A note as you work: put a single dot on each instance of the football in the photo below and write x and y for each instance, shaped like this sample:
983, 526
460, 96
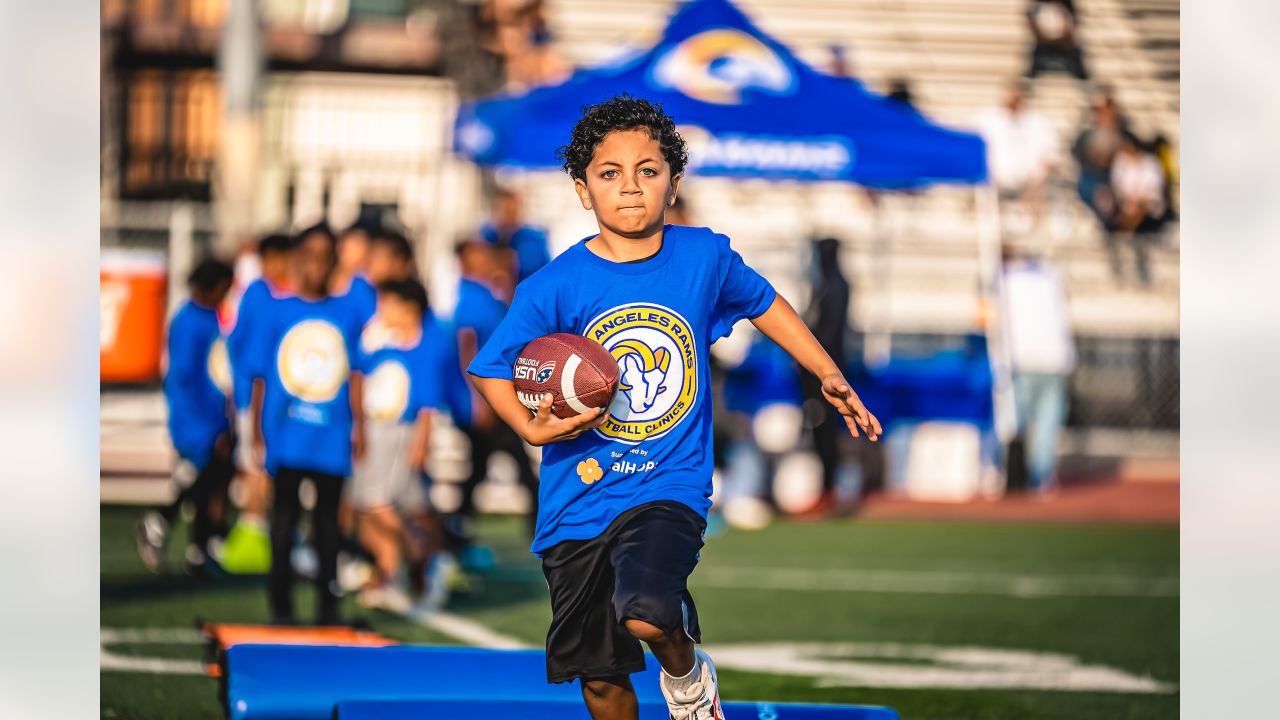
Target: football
579, 373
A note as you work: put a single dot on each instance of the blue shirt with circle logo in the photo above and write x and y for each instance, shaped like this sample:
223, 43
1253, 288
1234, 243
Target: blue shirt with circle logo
401, 380
196, 382
306, 354
657, 318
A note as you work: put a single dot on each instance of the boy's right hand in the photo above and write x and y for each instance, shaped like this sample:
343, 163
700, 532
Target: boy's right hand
544, 428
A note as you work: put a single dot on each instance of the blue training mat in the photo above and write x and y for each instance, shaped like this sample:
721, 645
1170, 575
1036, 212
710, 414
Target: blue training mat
575, 710
301, 682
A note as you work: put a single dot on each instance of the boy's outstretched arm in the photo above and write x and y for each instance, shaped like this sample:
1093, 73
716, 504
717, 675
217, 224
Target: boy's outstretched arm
781, 324
539, 429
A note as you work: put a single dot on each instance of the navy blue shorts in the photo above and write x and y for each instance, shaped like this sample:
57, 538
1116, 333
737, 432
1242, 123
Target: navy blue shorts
638, 568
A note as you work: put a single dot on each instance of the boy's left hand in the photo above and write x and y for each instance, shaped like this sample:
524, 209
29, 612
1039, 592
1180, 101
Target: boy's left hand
837, 392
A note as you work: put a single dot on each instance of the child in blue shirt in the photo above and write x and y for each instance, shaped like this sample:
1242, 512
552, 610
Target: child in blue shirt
196, 385
478, 313
624, 493
309, 416
402, 390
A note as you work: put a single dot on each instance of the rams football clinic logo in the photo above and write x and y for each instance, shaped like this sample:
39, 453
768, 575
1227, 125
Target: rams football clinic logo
386, 391
715, 66
218, 365
312, 361
657, 359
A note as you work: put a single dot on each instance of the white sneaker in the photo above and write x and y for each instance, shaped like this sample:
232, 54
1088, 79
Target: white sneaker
699, 701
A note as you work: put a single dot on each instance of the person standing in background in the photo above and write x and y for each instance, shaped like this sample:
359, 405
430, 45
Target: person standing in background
402, 390
478, 314
248, 549
353, 259
828, 320
197, 382
507, 231
1042, 354
310, 417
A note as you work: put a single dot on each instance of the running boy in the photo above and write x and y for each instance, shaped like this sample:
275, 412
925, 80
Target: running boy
196, 382
401, 391
306, 359
624, 494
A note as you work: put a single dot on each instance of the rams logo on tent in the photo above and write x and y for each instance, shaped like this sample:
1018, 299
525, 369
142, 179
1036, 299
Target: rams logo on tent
715, 66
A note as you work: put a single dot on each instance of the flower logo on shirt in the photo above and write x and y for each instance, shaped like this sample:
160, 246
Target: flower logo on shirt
589, 471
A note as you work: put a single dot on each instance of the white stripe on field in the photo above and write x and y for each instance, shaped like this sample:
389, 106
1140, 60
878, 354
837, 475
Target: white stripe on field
934, 582
110, 661
470, 632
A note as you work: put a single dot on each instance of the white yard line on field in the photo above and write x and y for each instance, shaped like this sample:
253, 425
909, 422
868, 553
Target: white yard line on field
934, 582
470, 631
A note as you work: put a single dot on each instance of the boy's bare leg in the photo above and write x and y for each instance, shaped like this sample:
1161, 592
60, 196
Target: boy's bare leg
381, 533
611, 698
674, 652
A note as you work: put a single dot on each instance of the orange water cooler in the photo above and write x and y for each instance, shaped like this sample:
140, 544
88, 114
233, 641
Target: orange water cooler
132, 301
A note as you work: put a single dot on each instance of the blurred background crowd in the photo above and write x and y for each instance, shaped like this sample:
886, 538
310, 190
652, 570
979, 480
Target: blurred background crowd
225, 122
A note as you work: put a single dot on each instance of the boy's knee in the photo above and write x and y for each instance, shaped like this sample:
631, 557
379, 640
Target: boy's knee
642, 630
602, 688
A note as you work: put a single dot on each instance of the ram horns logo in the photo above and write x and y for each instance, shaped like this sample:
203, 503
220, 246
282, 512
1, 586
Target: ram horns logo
717, 65
643, 372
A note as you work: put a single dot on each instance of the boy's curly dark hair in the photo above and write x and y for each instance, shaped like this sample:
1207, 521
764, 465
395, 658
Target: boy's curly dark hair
622, 112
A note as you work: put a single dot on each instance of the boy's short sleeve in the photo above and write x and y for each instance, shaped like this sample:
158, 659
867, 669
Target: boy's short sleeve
525, 321
428, 388
744, 293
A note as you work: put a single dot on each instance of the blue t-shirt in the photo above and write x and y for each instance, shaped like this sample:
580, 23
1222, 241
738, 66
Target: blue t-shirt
254, 307
457, 392
478, 310
364, 296
658, 319
529, 244
308, 351
196, 382
401, 381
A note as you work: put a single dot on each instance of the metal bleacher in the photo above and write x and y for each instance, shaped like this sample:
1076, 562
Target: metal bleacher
957, 55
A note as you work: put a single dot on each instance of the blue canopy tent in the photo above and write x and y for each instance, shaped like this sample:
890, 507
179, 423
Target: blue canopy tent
748, 108
746, 105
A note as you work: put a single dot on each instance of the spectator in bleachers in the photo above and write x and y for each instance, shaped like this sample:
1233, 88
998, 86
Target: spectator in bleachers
1053, 31
900, 92
840, 66
522, 37
1094, 150
1135, 205
1168, 157
525, 244
1042, 354
1022, 151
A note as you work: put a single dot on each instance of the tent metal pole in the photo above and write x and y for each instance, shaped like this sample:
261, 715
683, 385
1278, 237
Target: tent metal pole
878, 346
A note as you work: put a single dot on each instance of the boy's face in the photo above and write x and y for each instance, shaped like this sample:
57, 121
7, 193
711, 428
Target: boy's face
353, 251
385, 264
628, 183
275, 266
314, 263
397, 313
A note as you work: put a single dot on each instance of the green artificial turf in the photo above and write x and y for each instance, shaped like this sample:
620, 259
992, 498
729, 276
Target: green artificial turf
1132, 627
